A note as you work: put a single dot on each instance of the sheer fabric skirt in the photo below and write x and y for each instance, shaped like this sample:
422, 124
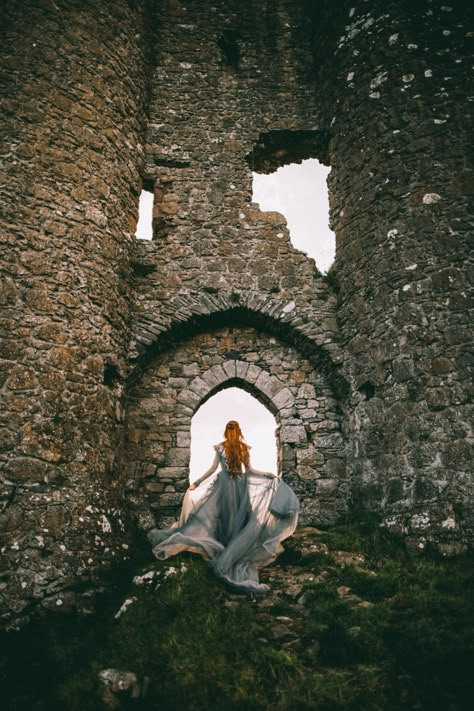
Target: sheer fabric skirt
228, 521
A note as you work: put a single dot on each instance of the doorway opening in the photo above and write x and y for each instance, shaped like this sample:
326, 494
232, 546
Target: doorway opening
256, 421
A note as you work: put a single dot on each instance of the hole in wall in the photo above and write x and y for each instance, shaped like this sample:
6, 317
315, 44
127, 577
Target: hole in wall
299, 192
229, 44
274, 149
111, 374
256, 421
367, 389
290, 170
145, 211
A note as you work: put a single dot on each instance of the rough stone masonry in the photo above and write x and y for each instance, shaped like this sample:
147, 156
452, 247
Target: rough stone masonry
110, 345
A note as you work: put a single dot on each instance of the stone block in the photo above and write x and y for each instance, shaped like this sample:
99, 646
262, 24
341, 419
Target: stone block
21, 378
215, 376
241, 369
188, 398
153, 450
335, 467
403, 369
230, 368
307, 473
306, 391
293, 434
177, 456
307, 413
170, 500
191, 369
308, 456
26, 469
252, 373
283, 399
184, 411
170, 472
441, 365
326, 487
330, 441
199, 386
268, 384
154, 487
183, 439
438, 398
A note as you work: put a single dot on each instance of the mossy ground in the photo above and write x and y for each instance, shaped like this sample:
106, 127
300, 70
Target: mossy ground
352, 622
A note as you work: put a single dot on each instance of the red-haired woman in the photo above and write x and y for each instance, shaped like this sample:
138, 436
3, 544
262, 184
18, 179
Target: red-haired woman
237, 521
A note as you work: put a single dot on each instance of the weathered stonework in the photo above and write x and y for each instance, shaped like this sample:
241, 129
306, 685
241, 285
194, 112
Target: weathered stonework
73, 98
401, 189
110, 345
177, 383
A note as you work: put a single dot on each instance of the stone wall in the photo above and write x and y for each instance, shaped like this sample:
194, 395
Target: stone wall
177, 382
73, 104
229, 76
393, 81
360, 77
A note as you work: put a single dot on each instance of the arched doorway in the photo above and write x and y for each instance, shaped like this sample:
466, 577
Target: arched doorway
179, 382
257, 423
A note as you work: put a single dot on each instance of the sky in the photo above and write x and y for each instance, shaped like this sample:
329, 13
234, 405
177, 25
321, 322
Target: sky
299, 192
256, 422
145, 210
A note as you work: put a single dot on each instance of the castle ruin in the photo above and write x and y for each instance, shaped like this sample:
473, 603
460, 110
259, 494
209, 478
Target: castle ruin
111, 344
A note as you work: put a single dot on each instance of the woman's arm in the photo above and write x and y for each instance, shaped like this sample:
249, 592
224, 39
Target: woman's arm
267, 475
207, 473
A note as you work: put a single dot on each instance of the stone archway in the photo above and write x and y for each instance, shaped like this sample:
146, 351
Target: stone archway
178, 382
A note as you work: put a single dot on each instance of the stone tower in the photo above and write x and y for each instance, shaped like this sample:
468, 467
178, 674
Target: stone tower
110, 344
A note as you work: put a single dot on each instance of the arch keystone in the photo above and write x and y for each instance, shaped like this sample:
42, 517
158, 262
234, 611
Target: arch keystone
241, 369
230, 367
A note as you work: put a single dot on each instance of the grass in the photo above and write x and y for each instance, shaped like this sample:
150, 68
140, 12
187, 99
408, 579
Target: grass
399, 638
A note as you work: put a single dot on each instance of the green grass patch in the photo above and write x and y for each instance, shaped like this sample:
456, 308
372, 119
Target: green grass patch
408, 645
366, 536
418, 625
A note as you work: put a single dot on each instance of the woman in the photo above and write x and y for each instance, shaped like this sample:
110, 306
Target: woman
236, 521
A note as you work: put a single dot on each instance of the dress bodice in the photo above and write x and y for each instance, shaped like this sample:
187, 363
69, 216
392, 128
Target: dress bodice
220, 449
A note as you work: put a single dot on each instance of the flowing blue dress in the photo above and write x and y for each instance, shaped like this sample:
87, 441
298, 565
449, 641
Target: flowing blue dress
228, 520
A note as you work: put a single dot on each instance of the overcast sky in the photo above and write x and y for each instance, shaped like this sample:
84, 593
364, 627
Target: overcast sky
256, 422
299, 192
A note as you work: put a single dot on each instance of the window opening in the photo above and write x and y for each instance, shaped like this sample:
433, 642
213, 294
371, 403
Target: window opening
229, 44
145, 211
111, 374
256, 421
299, 192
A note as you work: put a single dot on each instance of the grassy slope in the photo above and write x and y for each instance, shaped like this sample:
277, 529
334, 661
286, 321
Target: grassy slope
352, 623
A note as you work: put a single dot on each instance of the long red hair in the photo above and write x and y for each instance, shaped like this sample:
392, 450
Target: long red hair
236, 451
